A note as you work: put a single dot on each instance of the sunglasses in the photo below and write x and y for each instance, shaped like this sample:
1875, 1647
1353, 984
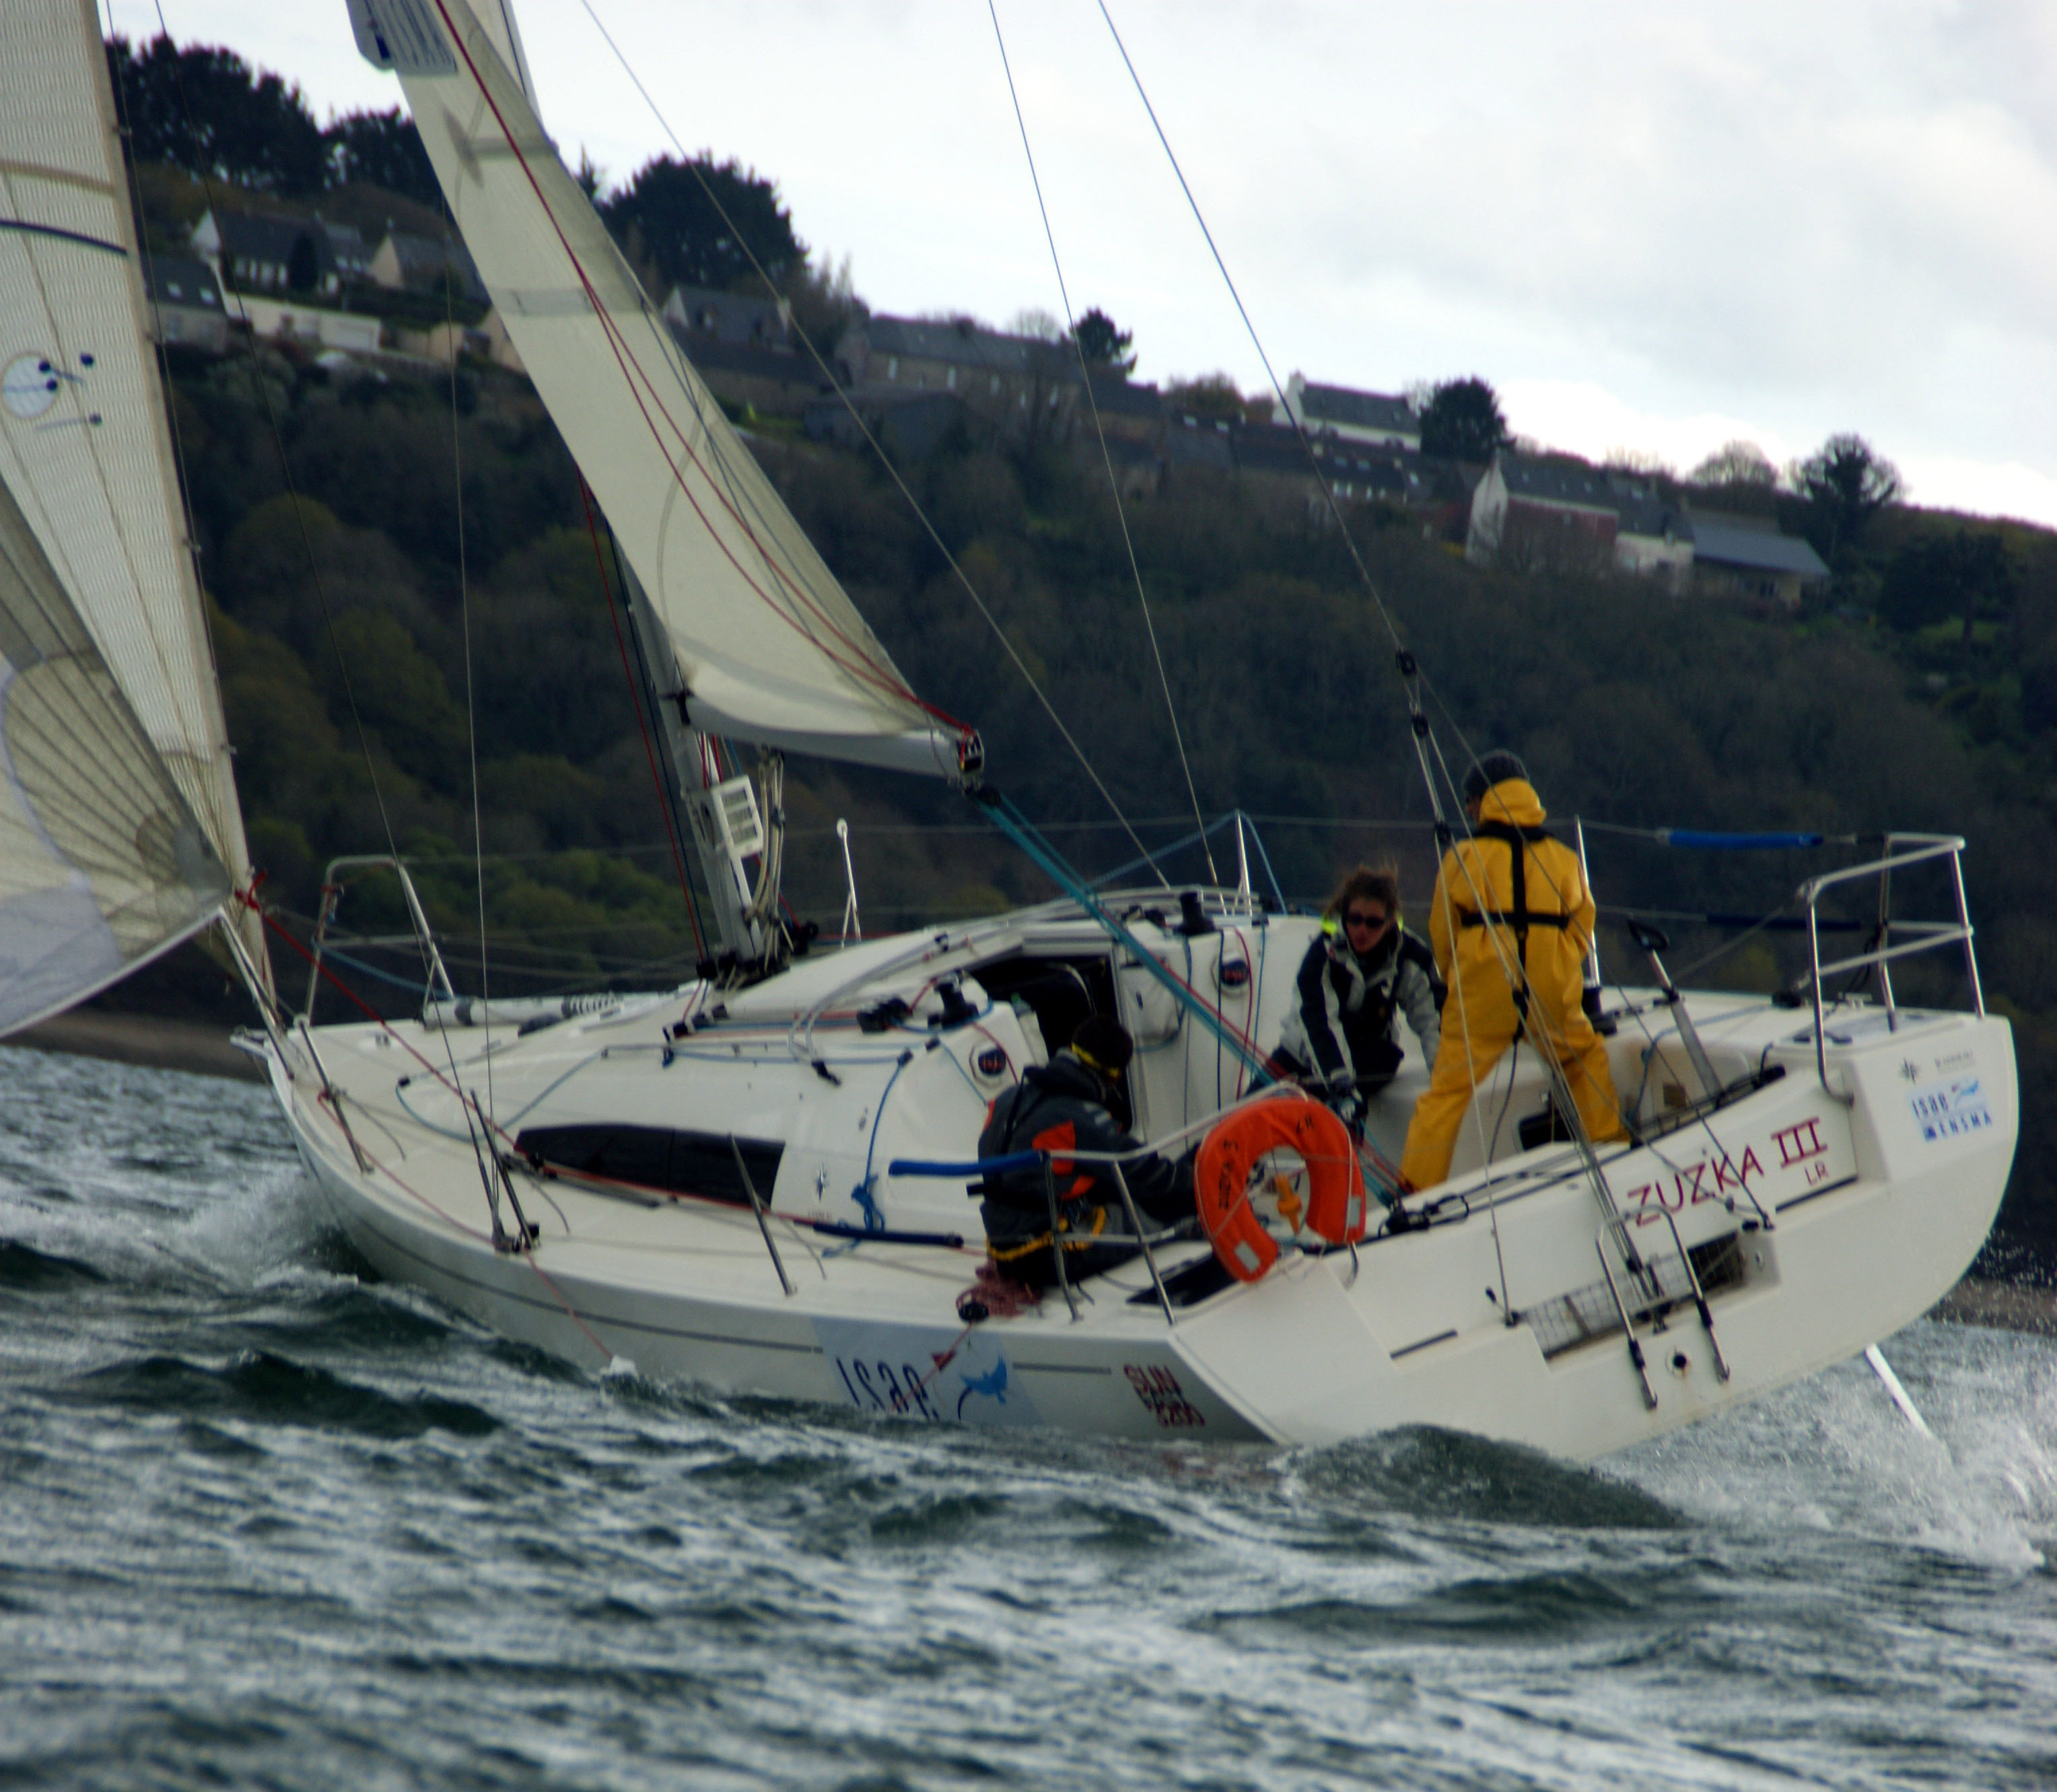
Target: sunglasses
1358, 918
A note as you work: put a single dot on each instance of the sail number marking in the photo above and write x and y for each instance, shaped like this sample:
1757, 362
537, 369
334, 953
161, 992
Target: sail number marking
1158, 1390
878, 1387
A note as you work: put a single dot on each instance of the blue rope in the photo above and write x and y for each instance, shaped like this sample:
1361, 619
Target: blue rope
1699, 840
363, 970
977, 1167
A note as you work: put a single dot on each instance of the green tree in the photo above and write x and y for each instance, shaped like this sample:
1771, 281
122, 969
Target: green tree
699, 223
205, 110
1736, 463
1102, 345
1462, 420
1208, 395
383, 149
1938, 577
1845, 484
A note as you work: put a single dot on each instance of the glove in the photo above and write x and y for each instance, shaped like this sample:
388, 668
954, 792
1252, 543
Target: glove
1351, 1110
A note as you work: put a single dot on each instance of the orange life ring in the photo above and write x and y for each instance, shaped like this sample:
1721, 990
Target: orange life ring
1335, 1209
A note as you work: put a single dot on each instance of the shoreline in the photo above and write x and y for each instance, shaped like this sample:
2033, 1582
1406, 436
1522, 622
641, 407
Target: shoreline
203, 1049
195, 1046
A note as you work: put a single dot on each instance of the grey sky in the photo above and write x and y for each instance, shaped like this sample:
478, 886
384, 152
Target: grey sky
1651, 226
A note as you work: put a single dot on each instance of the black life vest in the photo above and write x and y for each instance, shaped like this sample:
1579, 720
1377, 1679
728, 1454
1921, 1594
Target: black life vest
1518, 914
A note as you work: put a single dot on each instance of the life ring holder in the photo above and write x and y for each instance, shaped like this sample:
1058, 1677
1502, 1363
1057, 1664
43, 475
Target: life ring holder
1221, 1180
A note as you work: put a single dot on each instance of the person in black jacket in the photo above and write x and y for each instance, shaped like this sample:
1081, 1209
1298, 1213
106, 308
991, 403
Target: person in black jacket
1068, 1105
1362, 970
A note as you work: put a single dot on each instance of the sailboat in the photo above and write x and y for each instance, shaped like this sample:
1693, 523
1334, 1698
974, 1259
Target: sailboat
761, 1181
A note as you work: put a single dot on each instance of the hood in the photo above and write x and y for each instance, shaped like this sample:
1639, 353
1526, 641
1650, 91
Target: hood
1514, 800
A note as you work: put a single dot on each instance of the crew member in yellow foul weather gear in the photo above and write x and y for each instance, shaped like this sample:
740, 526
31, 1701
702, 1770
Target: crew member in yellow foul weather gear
1511, 923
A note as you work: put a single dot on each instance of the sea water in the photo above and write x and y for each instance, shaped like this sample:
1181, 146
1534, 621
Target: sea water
265, 1521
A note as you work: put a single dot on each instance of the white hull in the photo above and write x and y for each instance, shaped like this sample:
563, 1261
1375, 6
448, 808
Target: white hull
1871, 1208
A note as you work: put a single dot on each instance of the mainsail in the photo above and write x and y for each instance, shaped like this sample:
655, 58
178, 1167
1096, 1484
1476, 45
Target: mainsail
769, 647
120, 833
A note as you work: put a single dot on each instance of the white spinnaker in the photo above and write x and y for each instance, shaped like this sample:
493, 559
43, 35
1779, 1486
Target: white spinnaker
769, 647
85, 445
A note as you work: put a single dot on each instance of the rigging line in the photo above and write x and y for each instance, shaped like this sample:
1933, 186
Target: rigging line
1100, 431
866, 671
1256, 342
636, 702
299, 513
885, 460
1411, 672
470, 690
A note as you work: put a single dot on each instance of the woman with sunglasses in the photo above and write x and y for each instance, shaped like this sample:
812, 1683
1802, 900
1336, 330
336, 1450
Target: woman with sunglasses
1363, 969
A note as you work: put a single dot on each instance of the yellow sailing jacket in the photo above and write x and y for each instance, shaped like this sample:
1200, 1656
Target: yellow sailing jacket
1510, 897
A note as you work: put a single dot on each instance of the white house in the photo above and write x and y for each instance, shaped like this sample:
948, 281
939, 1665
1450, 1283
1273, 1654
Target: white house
1371, 419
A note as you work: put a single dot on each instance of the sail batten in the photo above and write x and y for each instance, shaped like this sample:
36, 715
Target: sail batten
747, 603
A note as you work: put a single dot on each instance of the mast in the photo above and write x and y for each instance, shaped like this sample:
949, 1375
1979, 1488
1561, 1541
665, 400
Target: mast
722, 819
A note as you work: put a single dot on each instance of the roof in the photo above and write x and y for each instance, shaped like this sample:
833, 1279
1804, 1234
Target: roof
1558, 481
1752, 542
259, 237
1398, 477
1644, 510
1346, 409
180, 280
1267, 448
972, 345
346, 244
1198, 441
424, 258
1114, 396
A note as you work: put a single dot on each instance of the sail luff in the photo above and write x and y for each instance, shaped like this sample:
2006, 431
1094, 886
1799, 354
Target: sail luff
761, 632
85, 444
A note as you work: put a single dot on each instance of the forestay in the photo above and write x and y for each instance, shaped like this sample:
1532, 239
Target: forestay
769, 647
119, 829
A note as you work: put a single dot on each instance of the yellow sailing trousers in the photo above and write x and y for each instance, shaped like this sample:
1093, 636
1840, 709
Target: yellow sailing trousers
1463, 1065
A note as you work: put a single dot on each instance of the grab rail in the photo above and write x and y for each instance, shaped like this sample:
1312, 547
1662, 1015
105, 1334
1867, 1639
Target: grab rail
331, 895
1931, 934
